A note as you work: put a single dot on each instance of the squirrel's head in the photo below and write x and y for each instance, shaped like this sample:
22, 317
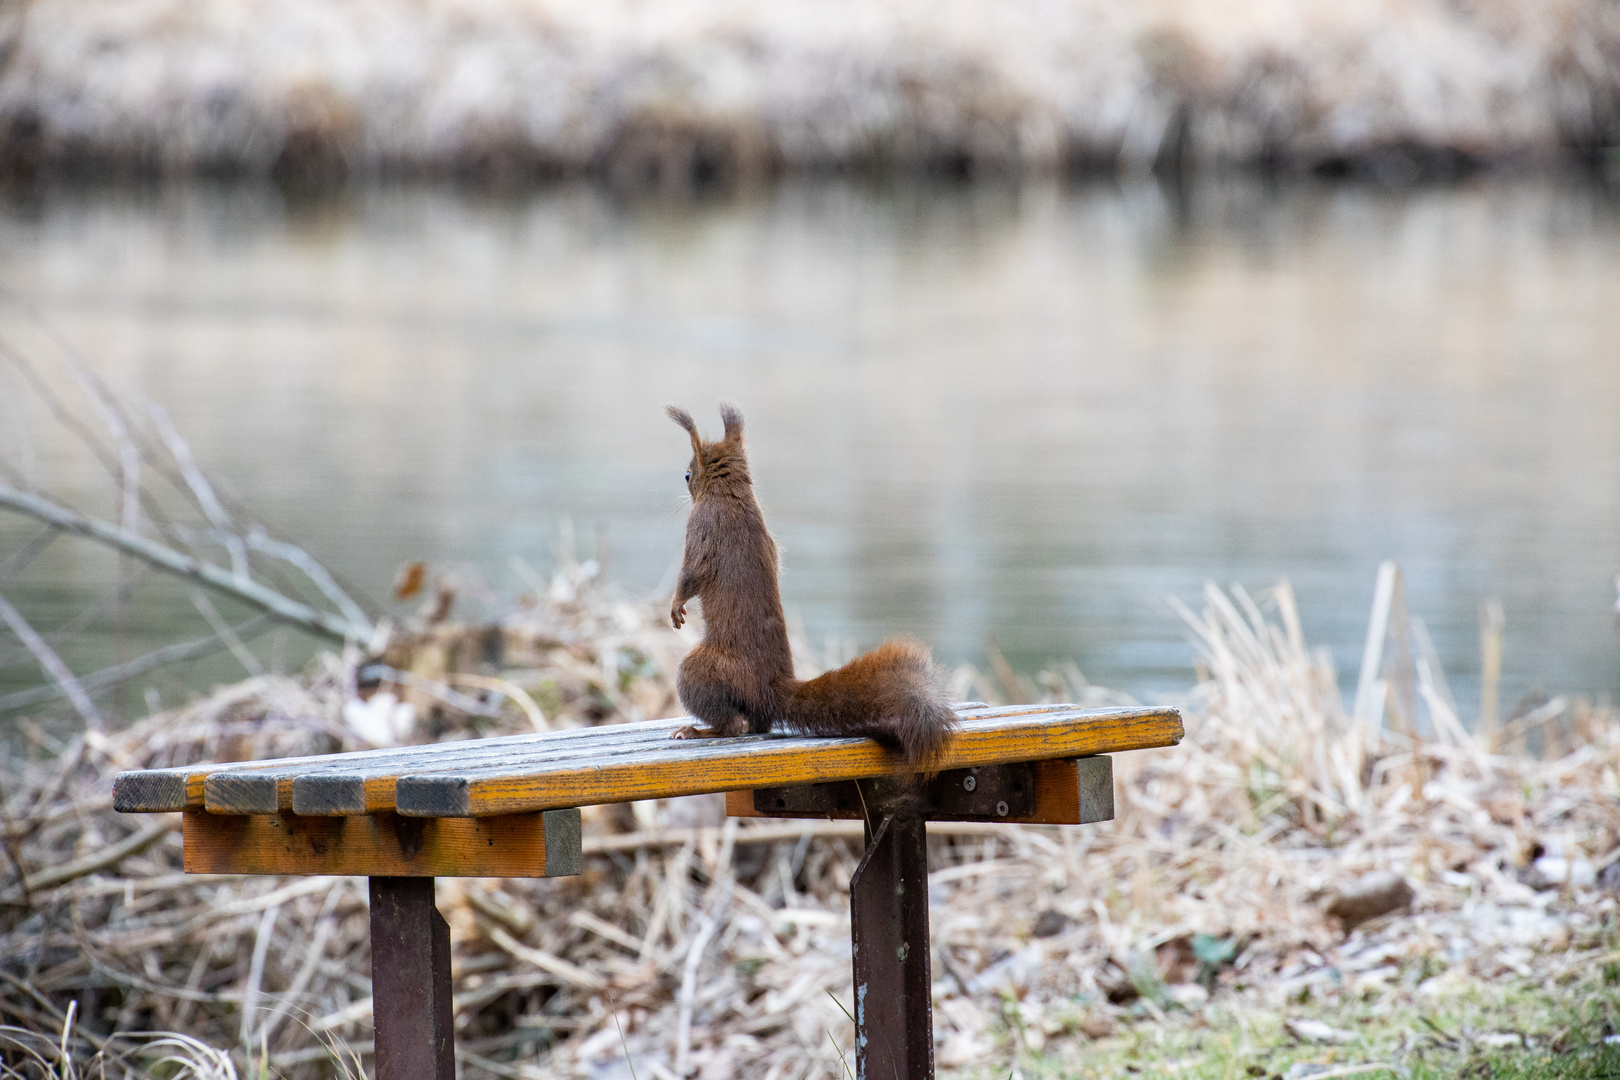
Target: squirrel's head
716, 467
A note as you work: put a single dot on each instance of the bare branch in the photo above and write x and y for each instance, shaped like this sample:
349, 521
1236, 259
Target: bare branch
99, 859
132, 669
205, 607
201, 489
24, 555
187, 566
65, 631
50, 662
149, 444
112, 418
112, 598
469, 705
315, 572
59, 409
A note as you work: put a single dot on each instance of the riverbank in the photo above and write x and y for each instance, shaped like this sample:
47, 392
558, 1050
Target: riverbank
712, 91
1214, 922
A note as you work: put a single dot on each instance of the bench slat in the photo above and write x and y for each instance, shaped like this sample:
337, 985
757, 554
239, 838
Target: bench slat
147, 791
140, 791
719, 765
265, 791
374, 788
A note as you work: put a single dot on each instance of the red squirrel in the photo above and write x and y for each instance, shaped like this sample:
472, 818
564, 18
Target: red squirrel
739, 679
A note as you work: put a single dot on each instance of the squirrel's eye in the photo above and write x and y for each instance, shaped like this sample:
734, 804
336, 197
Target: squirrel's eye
688, 476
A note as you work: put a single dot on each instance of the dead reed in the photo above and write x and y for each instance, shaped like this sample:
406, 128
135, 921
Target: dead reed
677, 94
703, 947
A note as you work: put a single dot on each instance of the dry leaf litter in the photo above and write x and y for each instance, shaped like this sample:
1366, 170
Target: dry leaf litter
696, 946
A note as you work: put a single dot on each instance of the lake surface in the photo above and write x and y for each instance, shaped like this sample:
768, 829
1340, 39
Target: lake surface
1026, 412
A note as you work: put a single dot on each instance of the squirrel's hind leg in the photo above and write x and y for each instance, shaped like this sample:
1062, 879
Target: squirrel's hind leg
708, 696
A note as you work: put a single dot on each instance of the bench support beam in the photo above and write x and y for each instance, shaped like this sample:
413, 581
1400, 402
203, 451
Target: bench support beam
888, 900
410, 982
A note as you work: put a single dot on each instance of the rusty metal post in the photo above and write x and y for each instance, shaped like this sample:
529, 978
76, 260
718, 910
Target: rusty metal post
410, 982
888, 901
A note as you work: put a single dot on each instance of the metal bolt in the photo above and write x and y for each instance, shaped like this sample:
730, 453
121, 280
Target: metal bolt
1001, 808
970, 783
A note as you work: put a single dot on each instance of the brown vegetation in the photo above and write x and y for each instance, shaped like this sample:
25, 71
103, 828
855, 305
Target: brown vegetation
722, 947
671, 96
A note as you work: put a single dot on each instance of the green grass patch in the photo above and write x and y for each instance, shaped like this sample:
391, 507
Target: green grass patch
1516, 1029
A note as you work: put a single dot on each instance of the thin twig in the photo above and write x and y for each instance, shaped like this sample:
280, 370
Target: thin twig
93, 610
569, 973
255, 977
694, 957
259, 540
206, 609
468, 705
201, 490
131, 669
53, 665
103, 859
504, 687
104, 403
325, 925
17, 560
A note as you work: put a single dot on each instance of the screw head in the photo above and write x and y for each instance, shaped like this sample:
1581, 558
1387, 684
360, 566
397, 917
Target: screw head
970, 783
1001, 808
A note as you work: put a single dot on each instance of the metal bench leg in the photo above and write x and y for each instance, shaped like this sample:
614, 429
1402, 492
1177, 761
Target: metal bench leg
894, 1008
410, 982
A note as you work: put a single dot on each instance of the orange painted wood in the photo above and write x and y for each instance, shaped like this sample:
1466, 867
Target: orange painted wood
1057, 800
616, 763
703, 766
269, 785
366, 786
383, 845
147, 791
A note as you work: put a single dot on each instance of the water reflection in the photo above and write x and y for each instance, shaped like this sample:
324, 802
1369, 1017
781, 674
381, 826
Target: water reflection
1026, 412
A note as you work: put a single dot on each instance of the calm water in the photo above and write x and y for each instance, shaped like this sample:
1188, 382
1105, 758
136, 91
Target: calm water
1031, 413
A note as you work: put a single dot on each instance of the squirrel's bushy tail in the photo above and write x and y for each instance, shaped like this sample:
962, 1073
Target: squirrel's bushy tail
893, 694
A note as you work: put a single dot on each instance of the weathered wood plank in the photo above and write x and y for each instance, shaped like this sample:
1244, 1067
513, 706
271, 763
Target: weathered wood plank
363, 791
525, 759
544, 844
717, 765
367, 787
185, 787
149, 791
391, 760
136, 781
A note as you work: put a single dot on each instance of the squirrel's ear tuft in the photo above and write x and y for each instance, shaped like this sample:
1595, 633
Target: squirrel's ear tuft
684, 418
731, 416
681, 417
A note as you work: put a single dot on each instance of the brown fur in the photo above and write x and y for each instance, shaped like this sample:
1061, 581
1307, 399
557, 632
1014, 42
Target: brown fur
740, 677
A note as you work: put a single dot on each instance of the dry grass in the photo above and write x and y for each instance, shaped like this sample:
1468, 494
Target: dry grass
31, 1055
682, 92
716, 951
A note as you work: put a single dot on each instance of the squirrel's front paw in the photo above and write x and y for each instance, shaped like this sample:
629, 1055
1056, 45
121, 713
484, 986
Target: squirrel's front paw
677, 615
687, 732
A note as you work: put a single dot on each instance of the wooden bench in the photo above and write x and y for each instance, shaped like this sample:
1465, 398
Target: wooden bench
509, 807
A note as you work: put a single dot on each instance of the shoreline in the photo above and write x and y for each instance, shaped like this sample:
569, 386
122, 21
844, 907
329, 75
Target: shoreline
714, 94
